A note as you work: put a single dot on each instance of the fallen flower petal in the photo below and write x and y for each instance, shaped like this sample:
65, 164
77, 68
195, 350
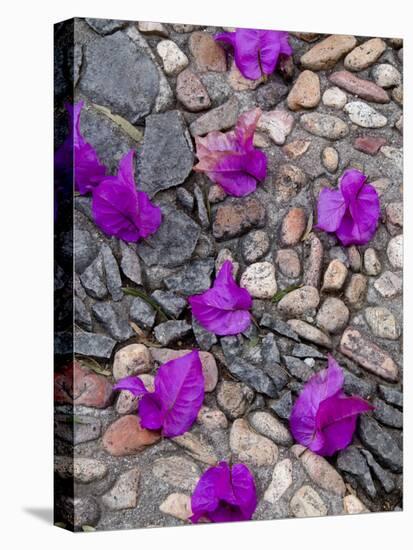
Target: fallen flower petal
323, 417
179, 393
224, 493
230, 159
352, 211
119, 209
256, 52
223, 309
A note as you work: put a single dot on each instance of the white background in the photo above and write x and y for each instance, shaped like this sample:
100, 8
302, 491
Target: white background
26, 271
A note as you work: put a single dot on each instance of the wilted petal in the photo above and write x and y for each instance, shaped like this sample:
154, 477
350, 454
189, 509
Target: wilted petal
245, 127
351, 183
179, 387
223, 309
331, 208
228, 37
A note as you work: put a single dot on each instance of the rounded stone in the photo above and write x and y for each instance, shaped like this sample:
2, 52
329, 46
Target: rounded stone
326, 126
288, 262
365, 55
268, 425
131, 360
325, 54
259, 280
395, 252
173, 58
234, 398
191, 92
251, 447
322, 473
372, 264
177, 505
334, 276
333, 315
305, 93
386, 76
382, 323
125, 437
298, 302
364, 115
208, 54
293, 226
329, 157
307, 503
356, 289
289, 181
334, 97
255, 245
212, 419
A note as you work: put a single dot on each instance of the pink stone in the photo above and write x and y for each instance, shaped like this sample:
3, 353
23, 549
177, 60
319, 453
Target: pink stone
78, 385
369, 144
358, 86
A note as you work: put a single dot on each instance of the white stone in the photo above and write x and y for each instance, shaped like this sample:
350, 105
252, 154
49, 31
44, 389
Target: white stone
150, 27
307, 503
395, 252
382, 323
372, 263
268, 425
282, 478
277, 124
174, 60
386, 76
352, 505
124, 494
388, 284
334, 97
365, 116
223, 255
177, 505
259, 280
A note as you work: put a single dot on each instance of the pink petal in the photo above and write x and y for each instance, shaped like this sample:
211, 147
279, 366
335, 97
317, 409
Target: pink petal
246, 126
150, 412
350, 184
132, 384
247, 45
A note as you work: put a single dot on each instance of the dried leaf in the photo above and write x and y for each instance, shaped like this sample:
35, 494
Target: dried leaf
309, 227
281, 293
127, 127
88, 528
140, 294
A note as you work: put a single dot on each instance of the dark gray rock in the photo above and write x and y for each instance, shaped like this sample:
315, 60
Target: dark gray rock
353, 462
202, 209
269, 95
110, 142
297, 368
142, 313
105, 26
84, 249
278, 326
77, 285
78, 430
384, 477
204, 338
107, 61
185, 198
167, 156
63, 343
112, 273
60, 277
83, 204
391, 395
386, 414
302, 350
193, 279
170, 302
282, 406
83, 317
113, 318
269, 349
174, 242
93, 279
130, 263
380, 443
94, 345
353, 385
254, 246
170, 331
77, 512
205, 247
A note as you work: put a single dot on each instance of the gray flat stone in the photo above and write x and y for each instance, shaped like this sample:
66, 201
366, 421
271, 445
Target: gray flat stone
380, 443
95, 345
193, 279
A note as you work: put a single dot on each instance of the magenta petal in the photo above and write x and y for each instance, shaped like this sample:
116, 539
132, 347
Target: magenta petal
179, 387
323, 417
223, 309
224, 494
247, 46
132, 384
351, 183
245, 128
228, 37
150, 412
331, 208
122, 211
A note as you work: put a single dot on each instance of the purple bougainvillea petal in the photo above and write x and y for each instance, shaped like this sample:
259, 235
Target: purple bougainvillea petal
331, 208
132, 384
323, 417
256, 52
179, 386
352, 212
122, 211
150, 412
88, 170
350, 184
223, 309
224, 494
230, 159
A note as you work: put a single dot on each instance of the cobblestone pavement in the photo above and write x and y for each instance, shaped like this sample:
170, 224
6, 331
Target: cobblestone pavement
339, 106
